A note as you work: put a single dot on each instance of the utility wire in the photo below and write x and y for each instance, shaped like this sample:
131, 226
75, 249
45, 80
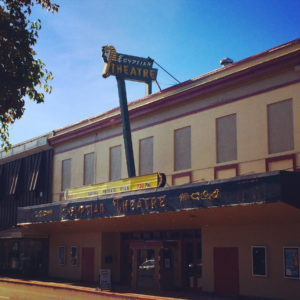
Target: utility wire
158, 85
166, 71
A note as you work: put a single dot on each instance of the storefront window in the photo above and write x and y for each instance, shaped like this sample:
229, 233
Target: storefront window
167, 259
259, 261
61, 255
74, 256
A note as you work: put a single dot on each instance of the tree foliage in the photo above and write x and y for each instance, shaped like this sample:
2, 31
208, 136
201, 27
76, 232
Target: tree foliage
22, 74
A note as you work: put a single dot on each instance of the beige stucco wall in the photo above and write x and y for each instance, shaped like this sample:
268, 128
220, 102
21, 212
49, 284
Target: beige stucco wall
274, 237
69, 239
111, 247
252, 141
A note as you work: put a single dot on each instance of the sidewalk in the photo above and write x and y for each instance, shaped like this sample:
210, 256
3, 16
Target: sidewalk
121, 293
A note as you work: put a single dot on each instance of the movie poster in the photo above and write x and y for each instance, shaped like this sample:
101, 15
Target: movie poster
291, 262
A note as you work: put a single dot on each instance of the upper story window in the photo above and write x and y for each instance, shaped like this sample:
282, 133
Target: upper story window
89, 168
115, 163
182, 148
280, 126
226, 138
66, 174
146, 156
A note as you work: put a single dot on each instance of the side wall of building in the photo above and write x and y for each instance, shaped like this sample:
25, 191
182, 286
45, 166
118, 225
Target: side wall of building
274, 237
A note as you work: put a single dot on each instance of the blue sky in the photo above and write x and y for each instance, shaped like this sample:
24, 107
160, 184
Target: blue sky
187, 37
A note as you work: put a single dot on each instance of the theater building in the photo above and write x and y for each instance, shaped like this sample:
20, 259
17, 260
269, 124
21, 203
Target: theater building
227, 220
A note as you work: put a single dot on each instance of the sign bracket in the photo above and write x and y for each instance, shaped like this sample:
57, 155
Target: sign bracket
126, 127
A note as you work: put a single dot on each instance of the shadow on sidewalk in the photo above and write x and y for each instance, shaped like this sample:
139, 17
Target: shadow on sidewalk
123, 290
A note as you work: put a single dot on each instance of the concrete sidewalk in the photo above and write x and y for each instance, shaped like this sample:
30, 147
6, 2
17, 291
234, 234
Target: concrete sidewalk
121, 293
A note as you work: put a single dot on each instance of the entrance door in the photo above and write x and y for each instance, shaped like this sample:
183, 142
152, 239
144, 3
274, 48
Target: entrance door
152, 264
192, 263
87, 264
145, 278
226, 271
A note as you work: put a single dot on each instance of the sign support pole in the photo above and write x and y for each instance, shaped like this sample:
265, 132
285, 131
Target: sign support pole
126, 127
149, 88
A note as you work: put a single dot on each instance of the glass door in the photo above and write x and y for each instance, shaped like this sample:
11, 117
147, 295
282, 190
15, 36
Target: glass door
145, 278
192, 263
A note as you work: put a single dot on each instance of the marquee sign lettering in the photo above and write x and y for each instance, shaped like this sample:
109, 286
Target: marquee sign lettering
118, 186
127, 66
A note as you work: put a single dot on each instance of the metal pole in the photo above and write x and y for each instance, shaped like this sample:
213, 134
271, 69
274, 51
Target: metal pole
148, 88
126, 127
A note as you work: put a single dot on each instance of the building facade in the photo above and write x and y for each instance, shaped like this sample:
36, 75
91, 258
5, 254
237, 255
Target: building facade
228, 220
26, 179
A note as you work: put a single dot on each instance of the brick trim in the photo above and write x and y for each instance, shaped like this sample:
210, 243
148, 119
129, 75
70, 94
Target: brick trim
281, 158
226, 167
183, 174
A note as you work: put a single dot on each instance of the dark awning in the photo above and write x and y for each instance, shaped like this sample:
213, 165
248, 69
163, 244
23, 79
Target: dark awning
279, 186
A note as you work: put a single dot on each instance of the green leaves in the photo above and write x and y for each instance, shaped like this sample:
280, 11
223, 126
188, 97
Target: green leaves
20, 72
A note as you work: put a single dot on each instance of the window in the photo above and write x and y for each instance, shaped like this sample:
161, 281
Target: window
115, 163
146, 156
226, 138
74, 255
61, 255
259, 261
280, 126
66, 174
291, 262
89, 168
182, 148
